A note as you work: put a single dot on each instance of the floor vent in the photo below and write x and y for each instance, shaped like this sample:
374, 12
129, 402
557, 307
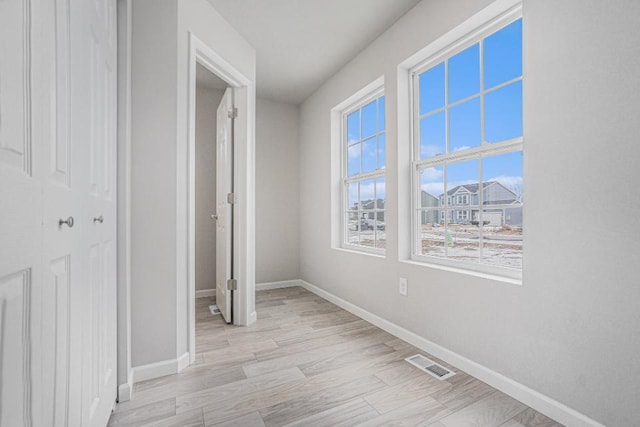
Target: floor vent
430, 367
214, 309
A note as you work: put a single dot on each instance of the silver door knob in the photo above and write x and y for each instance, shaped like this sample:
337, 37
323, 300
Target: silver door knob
99, 219
214, 216
69, 221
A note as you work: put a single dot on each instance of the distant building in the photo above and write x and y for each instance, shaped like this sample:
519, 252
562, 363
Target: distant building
464, 200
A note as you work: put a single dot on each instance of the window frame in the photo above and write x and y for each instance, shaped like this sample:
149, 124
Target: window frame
485, 149
345, 179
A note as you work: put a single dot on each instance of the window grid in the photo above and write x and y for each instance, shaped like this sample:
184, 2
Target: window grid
363, 216
485, 149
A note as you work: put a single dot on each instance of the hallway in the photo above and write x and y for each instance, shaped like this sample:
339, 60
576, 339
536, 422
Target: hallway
308, 362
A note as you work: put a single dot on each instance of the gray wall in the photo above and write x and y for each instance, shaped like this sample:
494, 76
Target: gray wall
277, 199
159, 306
571, 331
207, 101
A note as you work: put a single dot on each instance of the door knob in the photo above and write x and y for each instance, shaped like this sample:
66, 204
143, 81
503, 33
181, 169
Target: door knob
99, 219
69, 221
214, 216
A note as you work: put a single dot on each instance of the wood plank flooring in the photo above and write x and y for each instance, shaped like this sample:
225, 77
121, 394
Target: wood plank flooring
307, 362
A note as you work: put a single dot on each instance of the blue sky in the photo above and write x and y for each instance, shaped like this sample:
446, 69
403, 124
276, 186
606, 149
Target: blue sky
502, 55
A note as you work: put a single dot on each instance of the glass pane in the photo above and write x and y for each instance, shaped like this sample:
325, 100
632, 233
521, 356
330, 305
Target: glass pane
432, 233
352, 236
464, 74
353, 162
353, 127
432, 136
367, 225
369, 155
367, 194
462, 179
382, 151
381, 233
503, 55
462, 238
502, 177
432, 186
352, 196
381, 114
369, 118
432, 89
464, 126
503, 113
380, 193
502, 237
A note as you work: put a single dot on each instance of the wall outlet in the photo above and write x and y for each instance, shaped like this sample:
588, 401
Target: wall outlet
402, 286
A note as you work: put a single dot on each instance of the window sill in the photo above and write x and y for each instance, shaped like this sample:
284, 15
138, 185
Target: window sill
373, 253
490, 276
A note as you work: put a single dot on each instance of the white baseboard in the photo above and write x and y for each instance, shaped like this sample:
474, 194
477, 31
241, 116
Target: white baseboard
205, 293
277, 285
524, 394
159, 369
125, 391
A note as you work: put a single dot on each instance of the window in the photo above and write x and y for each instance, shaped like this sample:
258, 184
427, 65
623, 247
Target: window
468, 136
363, 174
463, 215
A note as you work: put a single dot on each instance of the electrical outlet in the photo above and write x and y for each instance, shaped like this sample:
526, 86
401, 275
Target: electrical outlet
403, 286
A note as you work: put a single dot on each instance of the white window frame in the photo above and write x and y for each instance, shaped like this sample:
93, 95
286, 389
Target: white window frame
485, 23
340, 179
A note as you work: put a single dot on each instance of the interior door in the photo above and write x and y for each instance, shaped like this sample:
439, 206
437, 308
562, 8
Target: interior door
20, 221
224, 186
93, 118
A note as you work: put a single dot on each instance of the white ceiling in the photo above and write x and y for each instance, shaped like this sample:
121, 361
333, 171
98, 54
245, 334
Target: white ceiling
301, 43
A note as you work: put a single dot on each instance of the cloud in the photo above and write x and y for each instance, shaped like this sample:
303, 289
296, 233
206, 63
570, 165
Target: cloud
432, 174
430, 151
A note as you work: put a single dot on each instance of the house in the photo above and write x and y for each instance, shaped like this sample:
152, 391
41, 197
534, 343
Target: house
176, 178
461, 198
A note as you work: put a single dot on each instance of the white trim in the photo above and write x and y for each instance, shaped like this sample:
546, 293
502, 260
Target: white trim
244, 178
205, 293
159, 369
277, 285
524, 394
123, 183
125, 391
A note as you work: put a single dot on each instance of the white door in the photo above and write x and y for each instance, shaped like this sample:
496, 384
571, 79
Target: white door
93, 118
57, 163
21, 272
224, 186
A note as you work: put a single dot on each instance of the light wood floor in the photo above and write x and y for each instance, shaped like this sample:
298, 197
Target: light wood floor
307, 362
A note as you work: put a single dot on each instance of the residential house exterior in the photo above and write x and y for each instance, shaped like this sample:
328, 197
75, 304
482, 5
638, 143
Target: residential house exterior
463, 203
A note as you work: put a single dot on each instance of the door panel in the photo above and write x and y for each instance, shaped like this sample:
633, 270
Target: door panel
15, 132
224, 209
15, 339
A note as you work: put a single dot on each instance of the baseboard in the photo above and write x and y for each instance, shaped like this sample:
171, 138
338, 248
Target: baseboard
159, 369
524, 394
125, 391
205, 293
277, 285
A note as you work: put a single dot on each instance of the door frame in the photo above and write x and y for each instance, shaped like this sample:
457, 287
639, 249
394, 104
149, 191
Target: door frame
244, 185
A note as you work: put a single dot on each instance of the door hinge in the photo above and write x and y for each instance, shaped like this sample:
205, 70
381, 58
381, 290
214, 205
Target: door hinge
232, 284
231, 198
233, 113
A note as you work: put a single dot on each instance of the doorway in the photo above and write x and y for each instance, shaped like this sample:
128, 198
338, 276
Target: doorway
210, 193
235, 202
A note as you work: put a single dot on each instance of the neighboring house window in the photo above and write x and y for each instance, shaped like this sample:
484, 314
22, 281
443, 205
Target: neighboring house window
363, 174
468, 136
